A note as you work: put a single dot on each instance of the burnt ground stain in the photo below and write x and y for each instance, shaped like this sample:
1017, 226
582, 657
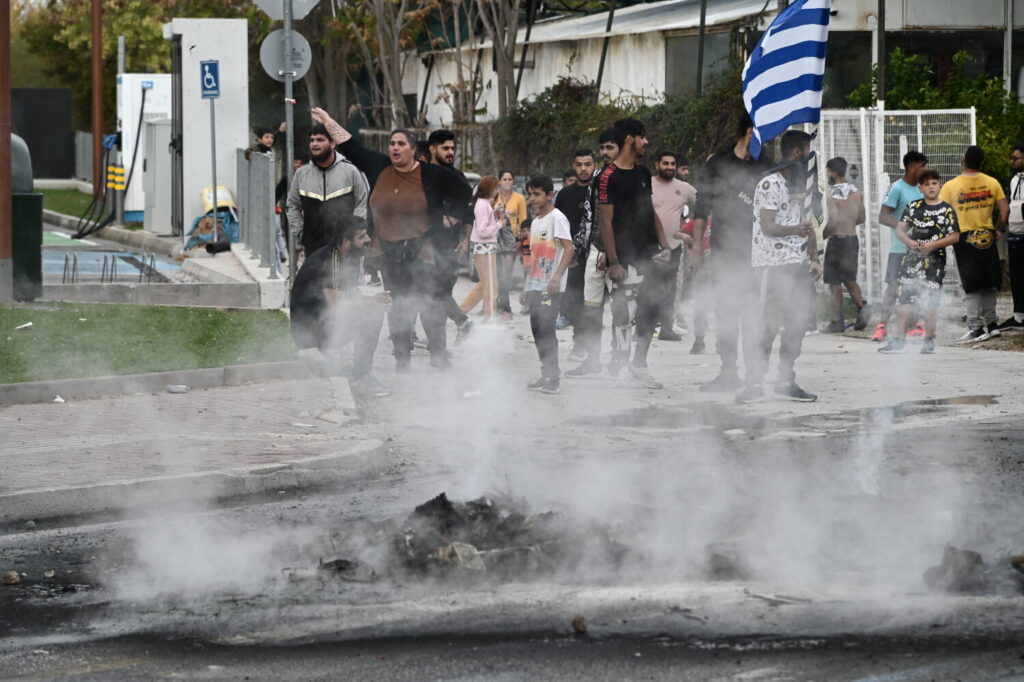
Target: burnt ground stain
720, 418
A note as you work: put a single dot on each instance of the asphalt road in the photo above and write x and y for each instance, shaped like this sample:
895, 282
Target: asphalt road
830, 514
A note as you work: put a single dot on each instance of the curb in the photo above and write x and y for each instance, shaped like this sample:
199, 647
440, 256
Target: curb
153, 382
139, 239
361, 460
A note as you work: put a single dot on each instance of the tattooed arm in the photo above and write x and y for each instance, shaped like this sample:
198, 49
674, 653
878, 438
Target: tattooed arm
337, 133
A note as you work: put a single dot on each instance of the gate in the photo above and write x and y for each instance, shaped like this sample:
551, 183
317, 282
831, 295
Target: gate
873, 143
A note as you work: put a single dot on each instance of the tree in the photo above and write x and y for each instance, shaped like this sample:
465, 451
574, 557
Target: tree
456, 23
59, 32
501, 22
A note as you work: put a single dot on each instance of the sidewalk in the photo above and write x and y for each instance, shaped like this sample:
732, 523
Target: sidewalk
89, 456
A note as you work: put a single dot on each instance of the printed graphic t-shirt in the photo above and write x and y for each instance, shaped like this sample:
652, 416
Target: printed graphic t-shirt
974, 198
927, 224
900, 194
546, 250
772, 194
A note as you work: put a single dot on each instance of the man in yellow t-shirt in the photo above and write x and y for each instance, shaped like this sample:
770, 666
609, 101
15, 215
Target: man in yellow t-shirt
975, 197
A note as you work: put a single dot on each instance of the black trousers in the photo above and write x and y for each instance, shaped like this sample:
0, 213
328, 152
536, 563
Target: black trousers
785, 298
447, 263
1015, 251
572, 299
415, 289
664, 283
330, 329
543, 314
735, 300
634, 303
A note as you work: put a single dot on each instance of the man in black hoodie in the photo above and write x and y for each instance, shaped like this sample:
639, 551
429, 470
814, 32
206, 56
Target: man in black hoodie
725, 193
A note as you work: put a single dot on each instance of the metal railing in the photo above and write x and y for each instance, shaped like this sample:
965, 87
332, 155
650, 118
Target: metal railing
70, 268
257, 220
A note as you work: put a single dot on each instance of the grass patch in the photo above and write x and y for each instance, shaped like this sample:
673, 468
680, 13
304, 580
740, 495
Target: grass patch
67, 201
74, 340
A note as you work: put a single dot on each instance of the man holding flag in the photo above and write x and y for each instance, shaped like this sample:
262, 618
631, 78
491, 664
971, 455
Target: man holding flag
782, 86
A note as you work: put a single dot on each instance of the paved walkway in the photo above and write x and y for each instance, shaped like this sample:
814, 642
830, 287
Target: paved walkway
129, 438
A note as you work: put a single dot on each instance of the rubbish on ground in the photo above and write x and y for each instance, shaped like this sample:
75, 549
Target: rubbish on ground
30, 525
302, 425
178, 388
476, 538
579, 625
778, 599
1017, 562
10, 578
22, 327
83, 319
58, 399
49, 574
961, 571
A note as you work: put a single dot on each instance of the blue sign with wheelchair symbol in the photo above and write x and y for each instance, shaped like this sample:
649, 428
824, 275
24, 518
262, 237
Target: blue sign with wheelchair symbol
210, 79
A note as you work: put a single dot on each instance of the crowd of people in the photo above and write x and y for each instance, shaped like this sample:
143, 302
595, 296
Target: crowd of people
746, 244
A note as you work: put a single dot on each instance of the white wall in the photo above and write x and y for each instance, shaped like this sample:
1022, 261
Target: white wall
226, 40
635, 66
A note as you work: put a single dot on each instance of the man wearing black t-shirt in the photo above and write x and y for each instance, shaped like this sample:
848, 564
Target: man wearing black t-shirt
632, 236
574, 201
725, 193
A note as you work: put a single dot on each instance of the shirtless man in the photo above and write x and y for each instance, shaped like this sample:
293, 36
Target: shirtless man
845, 213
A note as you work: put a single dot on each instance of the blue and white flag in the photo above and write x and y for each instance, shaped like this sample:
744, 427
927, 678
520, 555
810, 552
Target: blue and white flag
784, 76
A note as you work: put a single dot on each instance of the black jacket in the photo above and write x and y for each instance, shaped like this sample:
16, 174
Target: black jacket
443, 187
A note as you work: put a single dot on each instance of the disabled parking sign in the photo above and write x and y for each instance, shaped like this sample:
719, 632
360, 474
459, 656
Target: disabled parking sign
210, 79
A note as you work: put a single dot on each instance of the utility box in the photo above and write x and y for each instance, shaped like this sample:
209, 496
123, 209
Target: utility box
194, 41
27, 223
141, 97
156, 175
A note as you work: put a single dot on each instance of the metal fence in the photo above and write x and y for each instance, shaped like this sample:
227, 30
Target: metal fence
83, 155
873, 143
257, 220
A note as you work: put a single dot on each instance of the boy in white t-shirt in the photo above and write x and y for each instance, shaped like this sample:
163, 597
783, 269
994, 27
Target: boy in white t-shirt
551, 254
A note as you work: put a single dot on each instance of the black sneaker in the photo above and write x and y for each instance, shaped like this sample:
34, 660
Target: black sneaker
862, 318
928, 346
835, 327
790, 391
669, 335
463, 331
894, 346
973, 336
537, 384
698, 346
585, 369
550, 387
994, 331
749, 395
1011, 325
723, 382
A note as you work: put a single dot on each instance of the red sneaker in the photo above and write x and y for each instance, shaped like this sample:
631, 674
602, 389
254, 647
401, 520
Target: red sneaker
879, 334
917, 332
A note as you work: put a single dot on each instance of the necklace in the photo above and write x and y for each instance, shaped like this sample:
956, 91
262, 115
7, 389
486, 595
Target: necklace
403, 176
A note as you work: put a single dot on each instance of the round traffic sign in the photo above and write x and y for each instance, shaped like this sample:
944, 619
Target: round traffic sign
273, 60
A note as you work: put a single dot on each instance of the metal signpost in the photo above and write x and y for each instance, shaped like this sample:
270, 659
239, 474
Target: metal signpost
210, 88
290, 70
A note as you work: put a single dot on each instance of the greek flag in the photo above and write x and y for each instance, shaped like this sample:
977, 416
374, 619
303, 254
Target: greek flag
783, 78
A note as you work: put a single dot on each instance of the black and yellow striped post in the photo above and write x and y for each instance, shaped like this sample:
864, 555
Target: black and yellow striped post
116, 182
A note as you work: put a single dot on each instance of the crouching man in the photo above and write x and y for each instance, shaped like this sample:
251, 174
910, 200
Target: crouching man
328, 311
